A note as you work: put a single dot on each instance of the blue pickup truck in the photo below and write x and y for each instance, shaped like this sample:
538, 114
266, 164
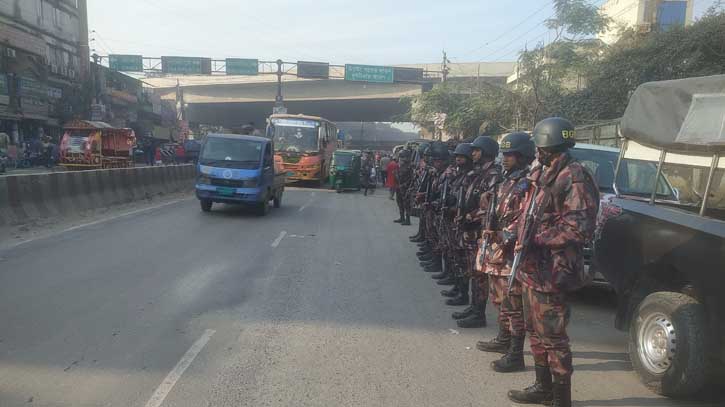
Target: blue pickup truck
237, 169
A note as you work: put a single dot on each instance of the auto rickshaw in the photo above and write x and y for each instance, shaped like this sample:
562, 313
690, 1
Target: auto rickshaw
345, 170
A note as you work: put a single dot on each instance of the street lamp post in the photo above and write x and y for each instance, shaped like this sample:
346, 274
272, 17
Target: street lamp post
279, 99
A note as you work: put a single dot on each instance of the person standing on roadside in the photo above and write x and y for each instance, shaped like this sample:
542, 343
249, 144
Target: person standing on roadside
567, 202
366, 172
384, 161
391, 178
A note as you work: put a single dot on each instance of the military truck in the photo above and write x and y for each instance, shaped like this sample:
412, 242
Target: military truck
665, 257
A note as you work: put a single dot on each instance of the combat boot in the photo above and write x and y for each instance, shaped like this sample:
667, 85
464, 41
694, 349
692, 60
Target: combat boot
447, 281
453, 292
400, 220
475, 320
499, 344
460, 299
406, 222
562, 392
541, 392
435, 266
426, 257
418, 239
513, 361
463, 314
440, 276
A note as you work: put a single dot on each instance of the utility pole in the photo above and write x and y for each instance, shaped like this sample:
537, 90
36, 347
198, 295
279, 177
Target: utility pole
444, 68
279, 99
84, 48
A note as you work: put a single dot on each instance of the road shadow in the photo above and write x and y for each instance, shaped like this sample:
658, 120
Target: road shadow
647, 402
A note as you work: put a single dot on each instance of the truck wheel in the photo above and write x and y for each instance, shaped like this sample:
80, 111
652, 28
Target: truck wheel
206, 205
278, 200
667, 344
263, 208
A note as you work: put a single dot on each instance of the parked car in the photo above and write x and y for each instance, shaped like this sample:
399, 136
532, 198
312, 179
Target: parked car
664, 256
601, 161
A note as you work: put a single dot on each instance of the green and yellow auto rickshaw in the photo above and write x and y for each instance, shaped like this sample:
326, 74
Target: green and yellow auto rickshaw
345, 170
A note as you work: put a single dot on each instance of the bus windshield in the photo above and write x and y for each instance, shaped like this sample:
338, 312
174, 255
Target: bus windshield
295, 135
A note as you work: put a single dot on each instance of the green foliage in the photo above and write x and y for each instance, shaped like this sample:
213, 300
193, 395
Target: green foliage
578, 18
581, 79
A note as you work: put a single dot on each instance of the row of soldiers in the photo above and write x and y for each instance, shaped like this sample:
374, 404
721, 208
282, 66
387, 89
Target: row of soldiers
482, 221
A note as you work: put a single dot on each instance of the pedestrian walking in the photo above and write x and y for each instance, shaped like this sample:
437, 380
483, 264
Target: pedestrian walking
566, 200
384, 168
367, 168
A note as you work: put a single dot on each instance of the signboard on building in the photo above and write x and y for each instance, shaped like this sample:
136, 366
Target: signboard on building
55, 93
12, 37
407, 74
317, 70
238, 66
98, 112
33, 96
369, 73
186, 65
4, 90
126, 63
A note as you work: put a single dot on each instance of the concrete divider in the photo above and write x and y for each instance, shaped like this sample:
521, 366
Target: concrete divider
24, 198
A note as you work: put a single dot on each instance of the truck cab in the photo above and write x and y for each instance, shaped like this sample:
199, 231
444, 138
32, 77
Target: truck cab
239, 169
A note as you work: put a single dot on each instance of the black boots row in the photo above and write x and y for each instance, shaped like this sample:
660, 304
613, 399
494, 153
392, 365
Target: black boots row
403, 220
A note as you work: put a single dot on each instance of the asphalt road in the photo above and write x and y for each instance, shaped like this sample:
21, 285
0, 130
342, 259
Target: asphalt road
321, 303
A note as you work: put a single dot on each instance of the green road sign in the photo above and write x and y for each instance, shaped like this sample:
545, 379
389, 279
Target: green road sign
237, 66
186, 65
126, 63
369, 73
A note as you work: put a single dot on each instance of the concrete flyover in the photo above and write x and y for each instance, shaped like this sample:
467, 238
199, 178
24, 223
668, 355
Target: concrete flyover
230, 104
235, 100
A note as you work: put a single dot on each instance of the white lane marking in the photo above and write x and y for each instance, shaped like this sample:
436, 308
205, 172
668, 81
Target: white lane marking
309, 201
175, 374
279, 238
96, 222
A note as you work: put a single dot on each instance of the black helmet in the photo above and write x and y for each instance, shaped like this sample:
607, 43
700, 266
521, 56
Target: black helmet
518, 142
404, 154
487, 145
439, 150
553, 132
463, 149
424, 149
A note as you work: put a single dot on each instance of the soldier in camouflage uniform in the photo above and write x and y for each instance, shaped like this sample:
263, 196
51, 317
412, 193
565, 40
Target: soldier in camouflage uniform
553, 264
444, 205
419, 170
454, 275
430, 254
366, 170
500, 234
482, 178
404, 179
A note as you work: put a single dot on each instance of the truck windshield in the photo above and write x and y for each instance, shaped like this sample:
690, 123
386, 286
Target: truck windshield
295, 139
226, 152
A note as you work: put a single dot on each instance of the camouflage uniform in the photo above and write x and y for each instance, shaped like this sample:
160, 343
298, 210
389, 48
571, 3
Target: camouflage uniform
553, 264
405, 180
500, 252
487, 175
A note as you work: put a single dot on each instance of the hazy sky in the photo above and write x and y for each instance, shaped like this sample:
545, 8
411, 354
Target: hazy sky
361, 31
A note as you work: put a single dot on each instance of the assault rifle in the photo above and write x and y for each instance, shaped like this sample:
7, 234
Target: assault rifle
490, 218
527, 234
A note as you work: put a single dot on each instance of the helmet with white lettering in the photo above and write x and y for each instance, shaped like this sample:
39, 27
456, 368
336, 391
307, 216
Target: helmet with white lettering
554, 132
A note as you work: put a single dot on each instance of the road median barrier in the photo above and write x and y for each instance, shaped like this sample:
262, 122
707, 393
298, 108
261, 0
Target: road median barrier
24, 198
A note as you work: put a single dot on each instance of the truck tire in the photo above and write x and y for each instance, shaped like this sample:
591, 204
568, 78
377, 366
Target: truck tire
278, 200
667, 343
206, 205
263, 208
